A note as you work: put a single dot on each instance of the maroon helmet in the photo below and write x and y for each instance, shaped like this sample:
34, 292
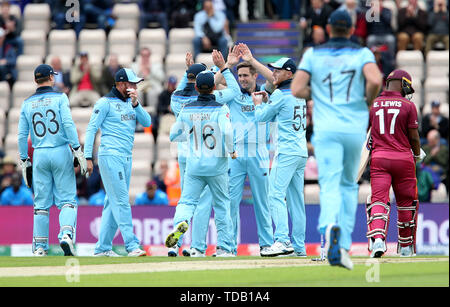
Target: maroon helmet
405, 78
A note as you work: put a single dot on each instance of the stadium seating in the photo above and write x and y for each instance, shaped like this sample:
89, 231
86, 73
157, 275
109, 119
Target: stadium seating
180, 40
154, 39
35, 42
66, 61
13, 120
22, 90
62, 42
437, 63
127, 16
205, 58
4, 97
25, 65
92, 41
122, 42
411, 61
37, 16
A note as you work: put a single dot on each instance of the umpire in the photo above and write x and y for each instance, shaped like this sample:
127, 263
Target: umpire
116, 114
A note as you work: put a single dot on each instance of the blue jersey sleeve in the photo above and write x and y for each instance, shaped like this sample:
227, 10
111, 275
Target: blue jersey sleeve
367, 56
306, 63
232, 91
67, 122
98, 115
226, 128
268, 111
142, 116
24, 130
177, 133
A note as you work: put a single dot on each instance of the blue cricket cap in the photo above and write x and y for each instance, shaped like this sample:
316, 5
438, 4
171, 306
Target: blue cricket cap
284, 63
127, 75
195, 69
205, 80
340, 18
43, 70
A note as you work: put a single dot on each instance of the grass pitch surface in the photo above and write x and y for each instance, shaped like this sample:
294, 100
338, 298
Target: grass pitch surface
221, 272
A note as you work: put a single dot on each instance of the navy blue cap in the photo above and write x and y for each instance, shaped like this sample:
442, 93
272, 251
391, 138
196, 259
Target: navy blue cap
340, 18
194, 70
127, 75
284, 63
43, 70
205, 80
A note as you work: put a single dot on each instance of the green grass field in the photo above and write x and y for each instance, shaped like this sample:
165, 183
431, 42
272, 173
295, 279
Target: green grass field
212, 272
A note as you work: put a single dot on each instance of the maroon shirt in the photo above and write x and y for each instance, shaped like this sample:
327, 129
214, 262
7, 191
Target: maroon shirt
391, 116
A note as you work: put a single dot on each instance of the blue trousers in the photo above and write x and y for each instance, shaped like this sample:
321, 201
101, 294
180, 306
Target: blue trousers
53, 183
193, 187
116, 172
257, 169
338, 156
286, 181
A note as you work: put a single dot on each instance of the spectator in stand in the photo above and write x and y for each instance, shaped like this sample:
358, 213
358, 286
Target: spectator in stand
163, 107
162, 174
2, 155
379, 32
59, 11
11, 25
85, 79
62, 79
154, 10
318, 37
384, 59
153, 75
8, 57
438, 26
358, 20
17, 194
209, 30
7, 169
412, 26
437, 158
98, 199
108, 73
181, 13
435, 120
152, 196
316, 15
99, 12
425, 183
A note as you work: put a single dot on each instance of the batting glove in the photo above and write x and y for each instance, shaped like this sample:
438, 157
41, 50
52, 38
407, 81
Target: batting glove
421, 156
79, 159
27, 171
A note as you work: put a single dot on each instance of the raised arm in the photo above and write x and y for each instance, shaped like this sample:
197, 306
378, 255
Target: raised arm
246, 55
374, 81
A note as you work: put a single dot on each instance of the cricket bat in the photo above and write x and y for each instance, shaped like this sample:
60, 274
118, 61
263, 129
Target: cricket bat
365, 156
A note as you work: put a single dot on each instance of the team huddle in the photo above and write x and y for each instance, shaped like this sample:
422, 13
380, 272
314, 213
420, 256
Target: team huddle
223, 129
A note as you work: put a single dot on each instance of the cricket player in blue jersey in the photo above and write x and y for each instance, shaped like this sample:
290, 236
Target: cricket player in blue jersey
205, 125
286, 181
46, 116
341, 74
184, 94
116, 114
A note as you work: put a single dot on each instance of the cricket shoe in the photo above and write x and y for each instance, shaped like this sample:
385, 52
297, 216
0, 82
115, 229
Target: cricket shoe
186, 252
407, 251
109, 253
137, 253
378, 248
173, 251
221, 253
300, 254
66, 244
336, 255
174, 236
277, 249
40, 252
195, 253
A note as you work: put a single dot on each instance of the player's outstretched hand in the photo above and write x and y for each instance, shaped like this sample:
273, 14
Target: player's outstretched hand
234, 155
259, 97
234, 56
218, 59
189, 59
89, 168
246, 54
27, 171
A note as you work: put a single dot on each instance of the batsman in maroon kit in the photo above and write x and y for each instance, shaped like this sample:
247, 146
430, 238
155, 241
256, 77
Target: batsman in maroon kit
395, 149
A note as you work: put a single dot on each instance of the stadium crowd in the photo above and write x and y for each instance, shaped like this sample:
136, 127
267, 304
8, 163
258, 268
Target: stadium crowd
386, 27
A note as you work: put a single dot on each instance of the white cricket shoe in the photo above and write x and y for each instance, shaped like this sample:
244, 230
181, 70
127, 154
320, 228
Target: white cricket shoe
109, 253
174, 236
195, 253
66, 244
173, 251
277, 249
137, 253
223, 253
40, 252
378, 248
407, 251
